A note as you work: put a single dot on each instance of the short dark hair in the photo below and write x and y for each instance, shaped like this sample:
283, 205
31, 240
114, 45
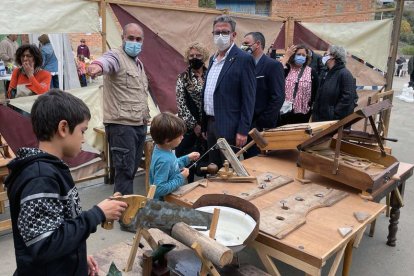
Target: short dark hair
225, 19
166, 127
54, 106
299, 47
34, 51
258, 36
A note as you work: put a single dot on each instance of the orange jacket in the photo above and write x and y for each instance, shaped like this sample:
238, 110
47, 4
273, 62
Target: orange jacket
38, 84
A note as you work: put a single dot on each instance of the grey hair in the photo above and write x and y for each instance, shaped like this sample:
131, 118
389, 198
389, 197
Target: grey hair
226, 19
130, 25
338, 52
258, 36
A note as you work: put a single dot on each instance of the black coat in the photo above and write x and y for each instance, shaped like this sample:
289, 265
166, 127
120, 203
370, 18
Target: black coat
49, 227
336, 97
270, 93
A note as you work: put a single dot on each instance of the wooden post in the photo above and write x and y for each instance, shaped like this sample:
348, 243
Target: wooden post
102, 5
289, 29
391, 59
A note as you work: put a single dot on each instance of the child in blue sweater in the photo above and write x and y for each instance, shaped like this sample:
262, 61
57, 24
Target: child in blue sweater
167, 171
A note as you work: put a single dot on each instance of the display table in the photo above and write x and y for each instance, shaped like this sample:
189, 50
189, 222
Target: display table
311, 245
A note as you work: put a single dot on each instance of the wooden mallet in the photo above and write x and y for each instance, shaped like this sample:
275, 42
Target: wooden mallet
257, 139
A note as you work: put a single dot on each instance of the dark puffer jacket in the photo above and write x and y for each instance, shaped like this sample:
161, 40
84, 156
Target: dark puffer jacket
336, 97
49, 227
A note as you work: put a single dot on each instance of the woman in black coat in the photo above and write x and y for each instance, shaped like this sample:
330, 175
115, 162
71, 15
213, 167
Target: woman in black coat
336, 97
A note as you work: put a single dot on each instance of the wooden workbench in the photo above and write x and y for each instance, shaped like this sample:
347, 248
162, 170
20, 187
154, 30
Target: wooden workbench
310, 246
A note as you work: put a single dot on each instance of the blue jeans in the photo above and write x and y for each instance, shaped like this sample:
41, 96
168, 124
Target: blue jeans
126, 144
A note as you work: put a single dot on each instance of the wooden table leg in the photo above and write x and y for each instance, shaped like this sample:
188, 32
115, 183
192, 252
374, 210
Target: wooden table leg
337, 260
394, 217
348, 257
372, 228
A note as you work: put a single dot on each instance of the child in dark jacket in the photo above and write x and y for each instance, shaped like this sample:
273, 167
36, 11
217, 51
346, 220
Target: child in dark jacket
49, 227
167, 171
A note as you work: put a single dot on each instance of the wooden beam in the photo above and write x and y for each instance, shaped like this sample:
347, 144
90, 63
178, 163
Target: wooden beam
102, 5
389, 77
276, 18
345, 14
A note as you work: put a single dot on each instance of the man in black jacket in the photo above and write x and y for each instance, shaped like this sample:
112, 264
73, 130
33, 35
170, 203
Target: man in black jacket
336, 97
270, 86
49, 227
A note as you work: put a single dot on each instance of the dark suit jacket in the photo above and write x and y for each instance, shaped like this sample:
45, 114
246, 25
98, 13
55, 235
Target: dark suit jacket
270, 92
234, 95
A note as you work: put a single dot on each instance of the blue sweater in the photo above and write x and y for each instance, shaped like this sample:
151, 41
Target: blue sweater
165, 171
50, 62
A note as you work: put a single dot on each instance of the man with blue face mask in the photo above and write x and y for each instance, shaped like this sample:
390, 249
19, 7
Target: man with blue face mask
126, 111
270, 86
229, 90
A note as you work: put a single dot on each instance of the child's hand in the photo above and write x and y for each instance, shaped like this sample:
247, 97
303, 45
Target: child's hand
185, 172
112, 208
194, 156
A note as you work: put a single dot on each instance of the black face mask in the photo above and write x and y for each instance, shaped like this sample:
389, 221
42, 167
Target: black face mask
196, 63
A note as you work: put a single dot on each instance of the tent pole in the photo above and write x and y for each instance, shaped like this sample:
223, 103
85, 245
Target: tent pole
102, 5
289, 29
391, 60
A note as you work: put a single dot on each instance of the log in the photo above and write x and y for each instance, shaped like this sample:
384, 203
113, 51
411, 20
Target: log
218, 254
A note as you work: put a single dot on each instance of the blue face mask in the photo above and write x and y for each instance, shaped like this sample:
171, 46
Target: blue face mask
300, 59
132, 48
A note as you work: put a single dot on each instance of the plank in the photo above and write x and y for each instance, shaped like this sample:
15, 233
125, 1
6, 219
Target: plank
290, 213
266, 182
185, 189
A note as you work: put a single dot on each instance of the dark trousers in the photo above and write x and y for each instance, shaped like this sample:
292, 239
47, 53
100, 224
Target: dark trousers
82, 80
215, 155
126, 144
55, 82
411, 83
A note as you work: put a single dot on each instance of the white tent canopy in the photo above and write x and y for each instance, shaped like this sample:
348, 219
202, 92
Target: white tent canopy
48, 16
368, 40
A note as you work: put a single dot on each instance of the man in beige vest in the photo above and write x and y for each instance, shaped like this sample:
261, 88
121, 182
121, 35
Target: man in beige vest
125, 105
8, 47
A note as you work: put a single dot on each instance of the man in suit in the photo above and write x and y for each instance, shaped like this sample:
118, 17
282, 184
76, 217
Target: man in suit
229, 90
270, 87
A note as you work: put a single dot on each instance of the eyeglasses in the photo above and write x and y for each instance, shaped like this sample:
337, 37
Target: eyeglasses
221, 32
199, 56
27, 55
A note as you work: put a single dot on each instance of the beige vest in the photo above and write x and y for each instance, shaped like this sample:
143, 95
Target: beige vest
125, 93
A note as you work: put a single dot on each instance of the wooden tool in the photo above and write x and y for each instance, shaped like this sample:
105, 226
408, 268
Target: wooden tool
357, 166
227, 151
257, 139
290, 213
135, 202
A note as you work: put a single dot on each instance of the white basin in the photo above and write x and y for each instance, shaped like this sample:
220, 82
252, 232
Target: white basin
233, 228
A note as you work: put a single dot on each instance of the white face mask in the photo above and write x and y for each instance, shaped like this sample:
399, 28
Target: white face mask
325, 59
222, 41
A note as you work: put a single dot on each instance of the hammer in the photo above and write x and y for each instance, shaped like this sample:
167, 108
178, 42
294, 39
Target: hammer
257, 139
